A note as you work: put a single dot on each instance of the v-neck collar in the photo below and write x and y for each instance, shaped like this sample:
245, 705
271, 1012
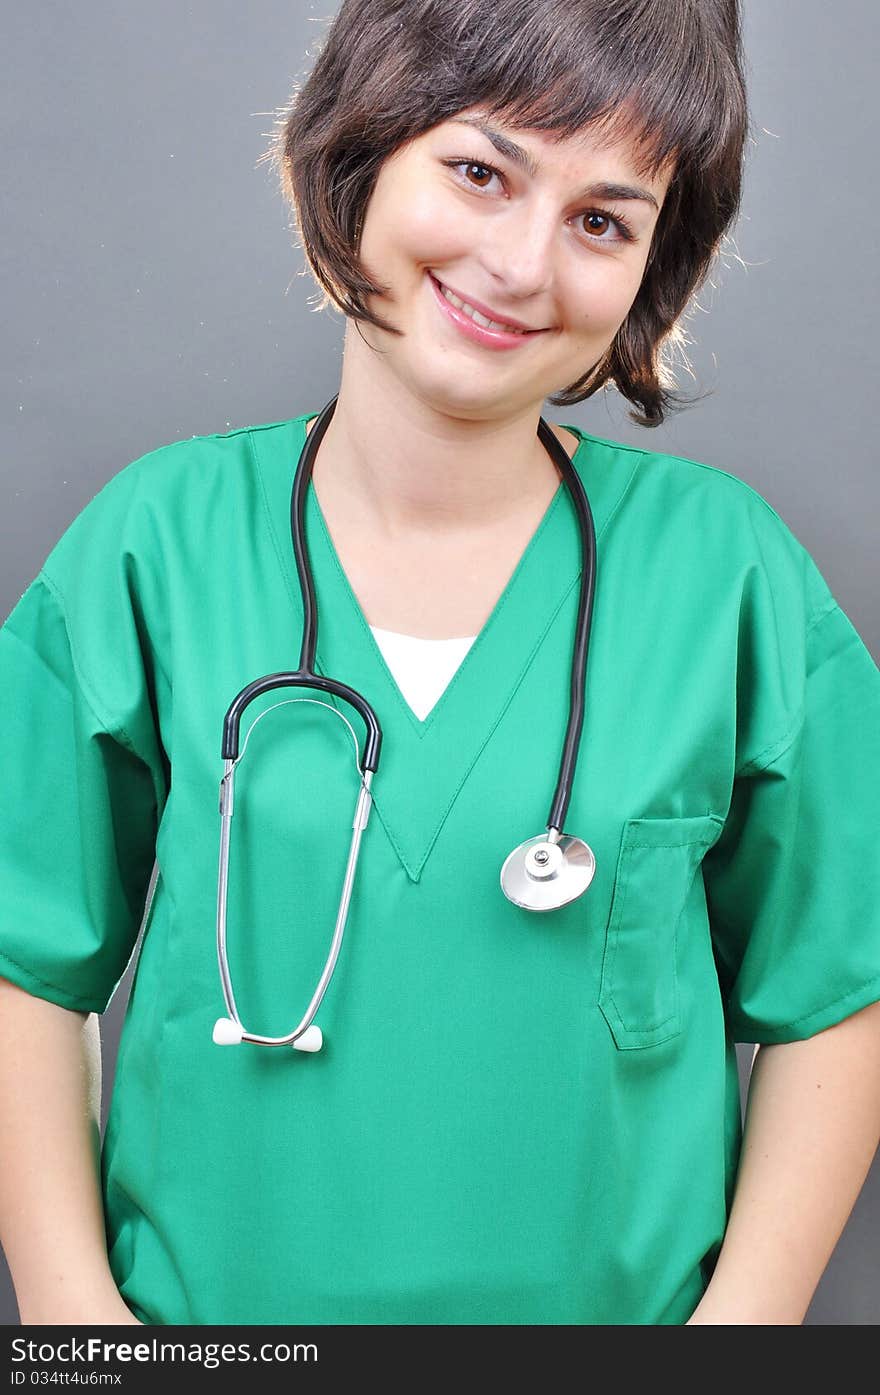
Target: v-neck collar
424, 764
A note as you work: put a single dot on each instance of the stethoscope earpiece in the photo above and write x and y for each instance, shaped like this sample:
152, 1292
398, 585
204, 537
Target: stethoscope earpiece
312, 1039
226, 1032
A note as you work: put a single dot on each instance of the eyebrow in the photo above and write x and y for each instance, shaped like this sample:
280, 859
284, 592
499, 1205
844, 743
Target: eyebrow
601, 190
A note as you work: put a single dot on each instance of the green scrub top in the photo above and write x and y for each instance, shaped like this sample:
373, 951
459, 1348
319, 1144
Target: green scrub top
517, 1117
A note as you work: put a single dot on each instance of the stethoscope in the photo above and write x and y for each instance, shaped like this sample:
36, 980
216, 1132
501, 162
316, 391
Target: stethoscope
541, 874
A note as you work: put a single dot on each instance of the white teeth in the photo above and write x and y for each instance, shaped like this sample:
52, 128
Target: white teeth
475, 314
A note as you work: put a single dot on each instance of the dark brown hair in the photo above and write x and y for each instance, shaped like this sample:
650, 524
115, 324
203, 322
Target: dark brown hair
665, 74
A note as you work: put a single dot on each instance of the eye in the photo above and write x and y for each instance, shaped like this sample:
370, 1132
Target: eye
624, 228
469, 165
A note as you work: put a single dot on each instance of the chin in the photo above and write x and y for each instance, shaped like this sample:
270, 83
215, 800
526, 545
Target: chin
466, 401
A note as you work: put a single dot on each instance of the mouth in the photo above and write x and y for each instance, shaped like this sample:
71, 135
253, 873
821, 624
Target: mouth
477, 326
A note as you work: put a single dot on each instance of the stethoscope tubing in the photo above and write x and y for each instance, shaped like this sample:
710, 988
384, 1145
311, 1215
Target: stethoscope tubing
232, 1028
583, 626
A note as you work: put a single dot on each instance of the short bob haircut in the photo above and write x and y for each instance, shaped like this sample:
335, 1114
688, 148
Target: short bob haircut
666, 75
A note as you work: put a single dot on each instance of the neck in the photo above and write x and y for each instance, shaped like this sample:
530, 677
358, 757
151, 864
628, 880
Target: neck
401, 467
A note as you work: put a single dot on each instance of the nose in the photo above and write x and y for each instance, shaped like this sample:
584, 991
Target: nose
520, 256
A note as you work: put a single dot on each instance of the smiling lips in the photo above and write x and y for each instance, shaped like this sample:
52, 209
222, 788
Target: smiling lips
476, 324
479, 316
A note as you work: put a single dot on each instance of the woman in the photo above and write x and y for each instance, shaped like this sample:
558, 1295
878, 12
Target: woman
513, 1117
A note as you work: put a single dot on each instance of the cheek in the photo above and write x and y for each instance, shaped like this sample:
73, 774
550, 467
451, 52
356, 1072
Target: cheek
415, 223
431, 229
602, 296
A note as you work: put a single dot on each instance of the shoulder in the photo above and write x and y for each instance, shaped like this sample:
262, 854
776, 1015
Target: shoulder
711, 517
199, 459
662, 470
165, 492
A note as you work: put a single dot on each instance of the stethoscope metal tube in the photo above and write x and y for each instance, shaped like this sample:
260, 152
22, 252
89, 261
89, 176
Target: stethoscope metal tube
229, 1031
541, 874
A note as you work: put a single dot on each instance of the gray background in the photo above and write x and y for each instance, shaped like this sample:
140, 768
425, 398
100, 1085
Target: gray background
151, 292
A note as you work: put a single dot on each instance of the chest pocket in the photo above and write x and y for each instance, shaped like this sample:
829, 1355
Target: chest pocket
653, 887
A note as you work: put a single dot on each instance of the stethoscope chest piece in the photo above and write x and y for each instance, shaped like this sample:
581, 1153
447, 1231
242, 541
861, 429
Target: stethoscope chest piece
542, 874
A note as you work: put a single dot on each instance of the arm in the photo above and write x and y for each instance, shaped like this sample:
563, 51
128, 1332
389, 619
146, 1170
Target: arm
811, 1132
51, 1213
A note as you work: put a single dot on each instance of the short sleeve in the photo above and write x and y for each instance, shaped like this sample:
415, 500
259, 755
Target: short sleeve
84, 779
793, 882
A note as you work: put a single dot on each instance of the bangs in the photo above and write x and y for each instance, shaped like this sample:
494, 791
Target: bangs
642, 74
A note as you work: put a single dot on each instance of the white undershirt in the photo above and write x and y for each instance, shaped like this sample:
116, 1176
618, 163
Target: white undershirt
421, 668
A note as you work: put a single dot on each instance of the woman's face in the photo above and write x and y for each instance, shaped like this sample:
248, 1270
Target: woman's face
543, 246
